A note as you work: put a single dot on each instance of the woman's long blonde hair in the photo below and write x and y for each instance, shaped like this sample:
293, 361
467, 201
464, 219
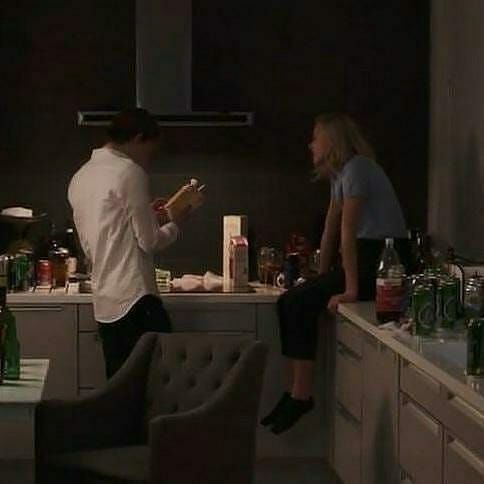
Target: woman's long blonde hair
346, 137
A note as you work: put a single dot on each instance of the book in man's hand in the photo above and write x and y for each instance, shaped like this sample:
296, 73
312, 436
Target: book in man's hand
187, 199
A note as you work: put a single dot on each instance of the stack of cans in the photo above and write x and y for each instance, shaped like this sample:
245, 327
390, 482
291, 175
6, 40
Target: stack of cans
434, 302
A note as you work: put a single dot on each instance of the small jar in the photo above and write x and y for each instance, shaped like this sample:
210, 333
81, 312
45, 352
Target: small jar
58, 257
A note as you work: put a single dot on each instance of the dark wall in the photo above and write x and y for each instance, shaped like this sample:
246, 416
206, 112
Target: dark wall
285, 60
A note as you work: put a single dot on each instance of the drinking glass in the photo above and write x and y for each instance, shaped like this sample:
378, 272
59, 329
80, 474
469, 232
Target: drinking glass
262, 264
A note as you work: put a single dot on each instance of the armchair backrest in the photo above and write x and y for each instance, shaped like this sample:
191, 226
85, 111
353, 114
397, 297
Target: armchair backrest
187, 369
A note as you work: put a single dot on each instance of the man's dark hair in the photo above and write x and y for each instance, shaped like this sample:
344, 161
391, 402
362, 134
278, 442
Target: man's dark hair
132, 122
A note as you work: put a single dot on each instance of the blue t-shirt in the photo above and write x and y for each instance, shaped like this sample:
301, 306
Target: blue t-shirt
381, 214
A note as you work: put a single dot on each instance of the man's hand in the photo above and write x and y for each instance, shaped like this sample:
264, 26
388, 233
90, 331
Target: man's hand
158, 206
335, 301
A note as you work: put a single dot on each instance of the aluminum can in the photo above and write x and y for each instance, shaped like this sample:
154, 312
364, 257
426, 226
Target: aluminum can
449, 302
423, 311
44, 272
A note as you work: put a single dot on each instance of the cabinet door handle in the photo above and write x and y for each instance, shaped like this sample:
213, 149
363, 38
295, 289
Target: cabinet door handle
465, 454
463, 407
346, 352
345, 414
25, 309
422, 417
427, 380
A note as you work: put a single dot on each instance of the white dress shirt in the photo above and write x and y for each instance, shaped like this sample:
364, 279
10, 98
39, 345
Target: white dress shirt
118, 231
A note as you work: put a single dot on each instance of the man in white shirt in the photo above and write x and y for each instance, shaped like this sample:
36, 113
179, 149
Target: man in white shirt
119, 232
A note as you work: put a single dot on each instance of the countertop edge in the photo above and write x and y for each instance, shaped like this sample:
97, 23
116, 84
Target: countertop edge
454, 386
30, 392
169, 298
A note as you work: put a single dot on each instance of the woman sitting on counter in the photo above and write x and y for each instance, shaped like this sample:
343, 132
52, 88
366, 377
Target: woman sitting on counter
363, 211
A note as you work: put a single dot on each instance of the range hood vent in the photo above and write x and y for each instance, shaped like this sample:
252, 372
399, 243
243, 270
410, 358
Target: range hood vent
164, 70
202, 119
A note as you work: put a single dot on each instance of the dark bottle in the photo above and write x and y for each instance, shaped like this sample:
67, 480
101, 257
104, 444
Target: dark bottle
71, 242
3, 319
58, 256
421, 259
10, 348
475, 347
390, 286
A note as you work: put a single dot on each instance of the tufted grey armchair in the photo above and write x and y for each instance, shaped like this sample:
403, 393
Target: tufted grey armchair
182, 409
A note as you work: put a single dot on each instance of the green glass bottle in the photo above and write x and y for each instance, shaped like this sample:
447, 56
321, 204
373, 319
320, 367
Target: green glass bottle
12, 347
10, 364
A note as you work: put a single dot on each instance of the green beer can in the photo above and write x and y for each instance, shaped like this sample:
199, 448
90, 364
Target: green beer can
475, 347
423, 310
449, 302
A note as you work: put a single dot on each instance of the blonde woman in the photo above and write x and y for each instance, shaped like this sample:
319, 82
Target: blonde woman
363, 211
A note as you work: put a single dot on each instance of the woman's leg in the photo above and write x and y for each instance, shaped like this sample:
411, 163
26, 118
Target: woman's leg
302, 385
299, 311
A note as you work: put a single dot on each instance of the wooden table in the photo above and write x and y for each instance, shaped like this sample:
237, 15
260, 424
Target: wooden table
18, 400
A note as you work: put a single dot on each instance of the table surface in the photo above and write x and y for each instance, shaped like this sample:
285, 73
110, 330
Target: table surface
28, 390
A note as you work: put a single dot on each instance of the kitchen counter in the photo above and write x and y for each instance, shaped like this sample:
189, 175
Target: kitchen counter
442, 358
262, 295
63, 328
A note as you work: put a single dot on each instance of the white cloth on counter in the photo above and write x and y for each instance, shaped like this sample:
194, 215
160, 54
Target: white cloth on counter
402, 330
118, 231
191, 282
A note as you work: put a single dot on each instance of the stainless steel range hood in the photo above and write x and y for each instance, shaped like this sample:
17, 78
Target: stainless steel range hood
164, 69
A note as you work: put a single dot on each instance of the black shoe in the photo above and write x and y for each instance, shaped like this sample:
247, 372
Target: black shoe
293, 410
271, 418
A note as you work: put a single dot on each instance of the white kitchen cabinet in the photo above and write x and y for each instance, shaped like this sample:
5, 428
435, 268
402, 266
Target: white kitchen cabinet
50, 331
461, 465
421, 443
91, 361
347, 446
207, 317
379, 460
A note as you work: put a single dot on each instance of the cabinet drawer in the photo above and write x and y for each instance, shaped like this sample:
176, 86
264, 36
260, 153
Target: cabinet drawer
465, 422
421, 387
461, 464
91, 361
347, 446
421, 443
348, 380
351, 336
50, 331
213, 317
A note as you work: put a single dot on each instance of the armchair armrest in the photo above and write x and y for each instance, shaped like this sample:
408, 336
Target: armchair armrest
214, 443
109, 416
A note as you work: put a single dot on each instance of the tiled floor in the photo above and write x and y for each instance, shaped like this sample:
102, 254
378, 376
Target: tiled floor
293, 471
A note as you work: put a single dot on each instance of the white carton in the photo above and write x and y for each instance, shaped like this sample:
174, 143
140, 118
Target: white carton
233, 226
